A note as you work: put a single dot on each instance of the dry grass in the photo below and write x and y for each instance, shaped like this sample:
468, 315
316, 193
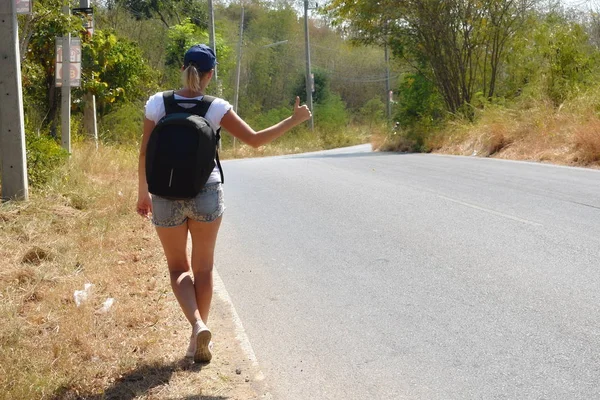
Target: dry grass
392, 142
82, 229
587, 143
568, 135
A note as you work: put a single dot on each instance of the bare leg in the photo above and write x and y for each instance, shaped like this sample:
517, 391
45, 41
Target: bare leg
204, 238
174, 242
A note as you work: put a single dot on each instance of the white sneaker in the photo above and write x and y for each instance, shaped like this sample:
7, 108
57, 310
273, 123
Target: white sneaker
191, 350
200, 339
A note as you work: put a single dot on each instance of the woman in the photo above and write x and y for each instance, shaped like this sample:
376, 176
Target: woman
200, 216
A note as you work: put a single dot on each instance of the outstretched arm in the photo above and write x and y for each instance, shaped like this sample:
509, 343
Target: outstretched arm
241, 130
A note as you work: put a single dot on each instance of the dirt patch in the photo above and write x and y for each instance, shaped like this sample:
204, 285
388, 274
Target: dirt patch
37, 255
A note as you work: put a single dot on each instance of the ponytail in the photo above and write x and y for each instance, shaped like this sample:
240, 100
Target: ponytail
192, 78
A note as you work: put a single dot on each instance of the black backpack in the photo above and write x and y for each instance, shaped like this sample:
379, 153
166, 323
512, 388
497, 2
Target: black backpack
182, 149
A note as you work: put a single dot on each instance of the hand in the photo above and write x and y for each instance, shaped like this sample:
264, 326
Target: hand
144, 205
301, 113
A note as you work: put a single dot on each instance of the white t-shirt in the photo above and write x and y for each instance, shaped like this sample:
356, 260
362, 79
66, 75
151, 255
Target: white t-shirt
155, 110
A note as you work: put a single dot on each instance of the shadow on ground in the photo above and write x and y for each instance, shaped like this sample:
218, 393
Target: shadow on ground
138, 382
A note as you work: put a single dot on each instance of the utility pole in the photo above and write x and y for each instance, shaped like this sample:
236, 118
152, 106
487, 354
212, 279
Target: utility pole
12, 132
65, 116
309, 79
238, 72
211, 16
388, 88
89, 113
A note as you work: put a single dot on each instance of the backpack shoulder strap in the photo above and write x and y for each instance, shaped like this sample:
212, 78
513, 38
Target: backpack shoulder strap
169, 101
203, 105
201, 109
219, 164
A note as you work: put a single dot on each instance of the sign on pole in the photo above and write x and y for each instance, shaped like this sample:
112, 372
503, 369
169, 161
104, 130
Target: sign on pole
75, 62
23, 6
74, 75
87, 16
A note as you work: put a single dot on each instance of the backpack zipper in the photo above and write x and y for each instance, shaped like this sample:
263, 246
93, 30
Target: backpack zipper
171, 178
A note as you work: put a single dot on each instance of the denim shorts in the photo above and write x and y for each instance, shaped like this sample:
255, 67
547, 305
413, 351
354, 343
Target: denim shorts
207, 206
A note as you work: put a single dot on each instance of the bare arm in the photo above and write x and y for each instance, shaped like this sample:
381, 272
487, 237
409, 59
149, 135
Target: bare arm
241, 130
144, 205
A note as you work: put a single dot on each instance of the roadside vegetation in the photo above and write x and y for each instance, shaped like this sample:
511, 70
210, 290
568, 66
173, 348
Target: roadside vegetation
76, 229
503, 78
55, 343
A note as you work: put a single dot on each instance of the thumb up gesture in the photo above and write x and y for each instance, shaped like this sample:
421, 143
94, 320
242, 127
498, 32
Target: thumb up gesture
301, 113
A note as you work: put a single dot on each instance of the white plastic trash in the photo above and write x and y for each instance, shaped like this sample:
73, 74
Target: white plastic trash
106, 305
80, 296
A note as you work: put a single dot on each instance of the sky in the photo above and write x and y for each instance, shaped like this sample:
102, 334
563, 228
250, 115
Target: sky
582, 4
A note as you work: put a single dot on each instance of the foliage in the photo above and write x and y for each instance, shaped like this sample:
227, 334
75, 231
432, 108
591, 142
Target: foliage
168, 11
555, 59
461, 42
418, 101
114, 70
269, 56
123, 125
266, 119
322, 91
44, 157
372, 112
331, 115
457, 56
180, 38
38, 32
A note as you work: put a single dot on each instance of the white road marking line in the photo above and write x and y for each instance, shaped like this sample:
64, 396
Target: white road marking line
497, 213
240, 332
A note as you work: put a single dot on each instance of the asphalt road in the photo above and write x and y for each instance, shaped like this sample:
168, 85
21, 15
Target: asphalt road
363, 275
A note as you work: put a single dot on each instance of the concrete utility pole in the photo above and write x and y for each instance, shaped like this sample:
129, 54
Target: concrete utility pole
65, 116
309, 79
211, 16
12, 132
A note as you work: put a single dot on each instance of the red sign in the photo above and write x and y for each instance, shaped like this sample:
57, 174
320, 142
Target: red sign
74, 76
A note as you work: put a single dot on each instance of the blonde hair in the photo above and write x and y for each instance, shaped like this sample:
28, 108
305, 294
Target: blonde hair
193, 79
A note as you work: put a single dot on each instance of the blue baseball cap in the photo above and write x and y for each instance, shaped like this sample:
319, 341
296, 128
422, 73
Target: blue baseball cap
202, 56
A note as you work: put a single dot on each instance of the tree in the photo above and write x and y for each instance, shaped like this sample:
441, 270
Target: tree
39, 32
460, 42
168, 11
114, 70
555, 58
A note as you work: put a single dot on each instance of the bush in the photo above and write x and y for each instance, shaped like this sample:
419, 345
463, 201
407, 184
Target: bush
331, 115
419, 102
44, 157
264, 120
123, 125
372, 112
